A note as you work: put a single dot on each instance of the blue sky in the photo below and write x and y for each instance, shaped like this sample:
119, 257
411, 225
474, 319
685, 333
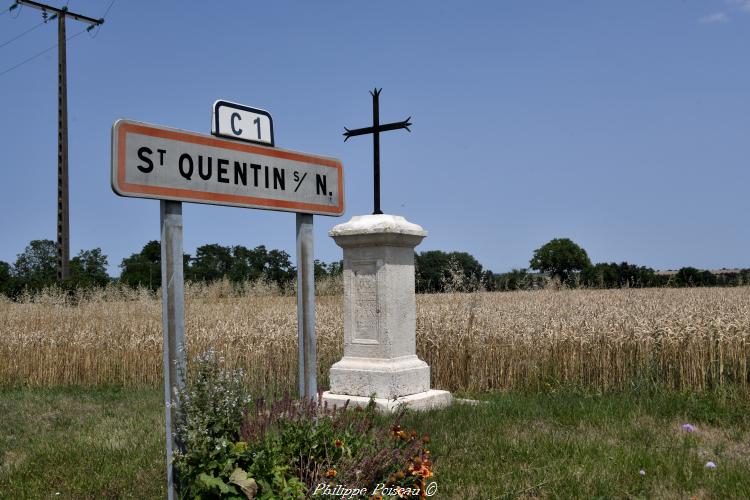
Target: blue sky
621, 125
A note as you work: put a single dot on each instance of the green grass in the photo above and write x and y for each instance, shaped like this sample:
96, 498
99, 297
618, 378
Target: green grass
108, 443
81, 443
572, 445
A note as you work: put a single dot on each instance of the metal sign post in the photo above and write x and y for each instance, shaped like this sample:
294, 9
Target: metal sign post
173, 319
150, 161
308, 364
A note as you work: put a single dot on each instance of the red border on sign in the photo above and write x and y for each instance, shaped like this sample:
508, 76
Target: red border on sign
123, 128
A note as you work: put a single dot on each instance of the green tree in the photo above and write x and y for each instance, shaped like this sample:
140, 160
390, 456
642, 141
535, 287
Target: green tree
212, 262
335, 268
516, 279
143, 268
36, 267
320, 269
89, 268
247, 265
690, 276
612, 275
436, 269
6, 279
429, 268
560, 258
489, 280
279, 268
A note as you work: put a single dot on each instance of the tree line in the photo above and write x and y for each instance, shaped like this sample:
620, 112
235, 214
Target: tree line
560, 260
36, 267
567, 263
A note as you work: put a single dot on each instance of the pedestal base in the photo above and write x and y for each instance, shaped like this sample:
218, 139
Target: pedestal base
421, 401
383, 378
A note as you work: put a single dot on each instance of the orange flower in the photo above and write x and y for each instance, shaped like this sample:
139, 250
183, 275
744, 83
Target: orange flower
399, 475
331, 473
338, 443
425, 472
413, 434
426, 438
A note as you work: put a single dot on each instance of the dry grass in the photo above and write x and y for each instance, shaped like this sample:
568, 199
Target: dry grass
612, 339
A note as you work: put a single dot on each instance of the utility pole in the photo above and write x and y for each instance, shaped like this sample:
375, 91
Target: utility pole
63, 219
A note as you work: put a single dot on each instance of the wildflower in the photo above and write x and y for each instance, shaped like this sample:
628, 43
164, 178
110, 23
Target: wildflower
413, 435
338, 443
331, 473
642, 472
710, 465
395, 430
424, 472
399, 475
426, 438
688, 427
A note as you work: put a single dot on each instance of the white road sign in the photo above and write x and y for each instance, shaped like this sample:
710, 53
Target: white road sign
150, 161
242, 122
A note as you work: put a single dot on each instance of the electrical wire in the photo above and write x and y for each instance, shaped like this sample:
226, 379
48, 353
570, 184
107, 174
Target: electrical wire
107, 11
93, 33
39, 54
5, 11
17, 8
22, 34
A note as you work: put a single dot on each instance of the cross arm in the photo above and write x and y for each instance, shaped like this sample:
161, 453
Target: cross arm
396, 126
63, 11
357, 131
380, 128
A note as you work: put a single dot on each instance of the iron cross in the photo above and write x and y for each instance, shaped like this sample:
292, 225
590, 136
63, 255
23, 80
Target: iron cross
375, 131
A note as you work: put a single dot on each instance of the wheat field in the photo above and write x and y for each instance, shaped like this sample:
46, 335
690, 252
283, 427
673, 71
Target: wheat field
597, 339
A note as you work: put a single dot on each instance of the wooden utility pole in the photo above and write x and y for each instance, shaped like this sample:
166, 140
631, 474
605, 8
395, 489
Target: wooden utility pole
63, 219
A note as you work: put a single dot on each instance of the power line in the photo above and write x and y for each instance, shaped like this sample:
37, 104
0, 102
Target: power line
39, 54
99, 26
107, 11
22, 34
5, 11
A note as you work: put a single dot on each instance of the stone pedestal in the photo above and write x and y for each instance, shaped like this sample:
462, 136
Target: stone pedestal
380, 358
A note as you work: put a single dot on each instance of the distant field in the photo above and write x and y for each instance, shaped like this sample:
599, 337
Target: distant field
602, 340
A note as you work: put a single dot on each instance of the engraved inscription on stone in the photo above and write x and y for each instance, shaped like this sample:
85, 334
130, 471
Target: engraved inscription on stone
365, 288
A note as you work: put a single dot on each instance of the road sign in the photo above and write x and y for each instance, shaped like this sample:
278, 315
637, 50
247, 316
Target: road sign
242, 122
150, 161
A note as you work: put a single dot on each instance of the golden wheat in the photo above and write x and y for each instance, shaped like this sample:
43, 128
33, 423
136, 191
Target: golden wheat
600, 339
